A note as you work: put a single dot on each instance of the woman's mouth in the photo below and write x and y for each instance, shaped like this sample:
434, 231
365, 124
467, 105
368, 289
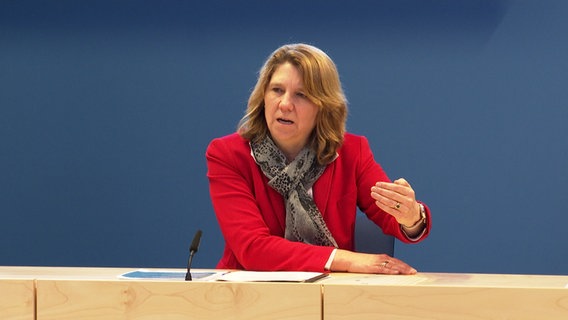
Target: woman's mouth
284, 121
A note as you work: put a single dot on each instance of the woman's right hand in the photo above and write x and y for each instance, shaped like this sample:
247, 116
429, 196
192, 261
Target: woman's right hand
349, 261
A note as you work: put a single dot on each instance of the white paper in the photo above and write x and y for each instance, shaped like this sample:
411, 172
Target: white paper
271, 276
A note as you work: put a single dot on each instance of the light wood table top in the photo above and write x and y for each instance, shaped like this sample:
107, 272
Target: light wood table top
98, 293
95, 293
445, 296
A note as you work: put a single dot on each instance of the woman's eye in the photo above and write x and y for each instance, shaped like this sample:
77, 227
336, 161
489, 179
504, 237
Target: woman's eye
277, 90
301, 94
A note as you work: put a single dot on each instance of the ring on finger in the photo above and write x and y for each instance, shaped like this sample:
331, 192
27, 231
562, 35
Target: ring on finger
397, 206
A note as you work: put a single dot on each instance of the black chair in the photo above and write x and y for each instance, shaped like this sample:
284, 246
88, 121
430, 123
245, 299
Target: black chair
370, 238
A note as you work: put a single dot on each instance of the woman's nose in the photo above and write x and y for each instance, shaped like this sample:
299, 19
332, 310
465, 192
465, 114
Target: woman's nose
286, 103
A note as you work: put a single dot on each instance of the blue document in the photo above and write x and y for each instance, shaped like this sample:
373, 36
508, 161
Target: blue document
164, 275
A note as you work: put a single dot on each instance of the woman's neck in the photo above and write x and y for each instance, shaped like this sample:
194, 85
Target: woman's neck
290, 156
290, 151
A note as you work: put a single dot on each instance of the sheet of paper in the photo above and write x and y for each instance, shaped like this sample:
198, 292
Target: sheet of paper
271, 276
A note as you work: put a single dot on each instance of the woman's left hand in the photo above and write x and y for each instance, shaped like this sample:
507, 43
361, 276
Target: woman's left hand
397, 199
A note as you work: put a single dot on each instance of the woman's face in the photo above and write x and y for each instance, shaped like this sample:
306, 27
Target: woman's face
289, 114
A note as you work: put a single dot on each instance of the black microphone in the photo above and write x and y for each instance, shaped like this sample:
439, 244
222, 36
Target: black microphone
192, 250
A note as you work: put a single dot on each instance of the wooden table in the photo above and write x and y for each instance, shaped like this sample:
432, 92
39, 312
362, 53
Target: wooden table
98, 293
445, 296
46, 293
17, 299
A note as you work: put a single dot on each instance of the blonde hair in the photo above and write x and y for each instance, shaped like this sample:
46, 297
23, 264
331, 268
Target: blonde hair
322, 86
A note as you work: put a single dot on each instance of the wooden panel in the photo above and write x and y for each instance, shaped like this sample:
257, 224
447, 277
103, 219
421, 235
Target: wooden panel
120, 299
17, 299
359, 302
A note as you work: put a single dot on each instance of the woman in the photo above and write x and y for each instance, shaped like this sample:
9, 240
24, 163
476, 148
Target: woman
286, 186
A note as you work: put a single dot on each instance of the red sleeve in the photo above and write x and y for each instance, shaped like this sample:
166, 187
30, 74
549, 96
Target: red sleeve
238, 192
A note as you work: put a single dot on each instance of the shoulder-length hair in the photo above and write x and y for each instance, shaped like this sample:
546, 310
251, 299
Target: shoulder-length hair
322, 86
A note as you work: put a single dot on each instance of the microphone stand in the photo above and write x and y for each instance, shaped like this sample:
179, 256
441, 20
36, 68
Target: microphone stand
192, 250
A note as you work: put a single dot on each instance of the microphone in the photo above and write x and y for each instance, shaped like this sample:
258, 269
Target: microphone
192, 250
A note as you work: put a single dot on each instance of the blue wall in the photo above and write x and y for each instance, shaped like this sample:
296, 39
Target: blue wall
106, 108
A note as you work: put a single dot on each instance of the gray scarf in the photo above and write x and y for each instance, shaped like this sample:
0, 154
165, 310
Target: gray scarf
304, 222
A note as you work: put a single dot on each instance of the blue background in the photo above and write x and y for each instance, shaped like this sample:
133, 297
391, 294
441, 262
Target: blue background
106, 108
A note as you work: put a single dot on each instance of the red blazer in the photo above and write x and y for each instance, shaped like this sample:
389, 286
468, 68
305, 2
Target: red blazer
252, 215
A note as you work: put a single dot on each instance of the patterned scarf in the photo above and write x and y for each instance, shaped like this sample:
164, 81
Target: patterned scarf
304, 222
